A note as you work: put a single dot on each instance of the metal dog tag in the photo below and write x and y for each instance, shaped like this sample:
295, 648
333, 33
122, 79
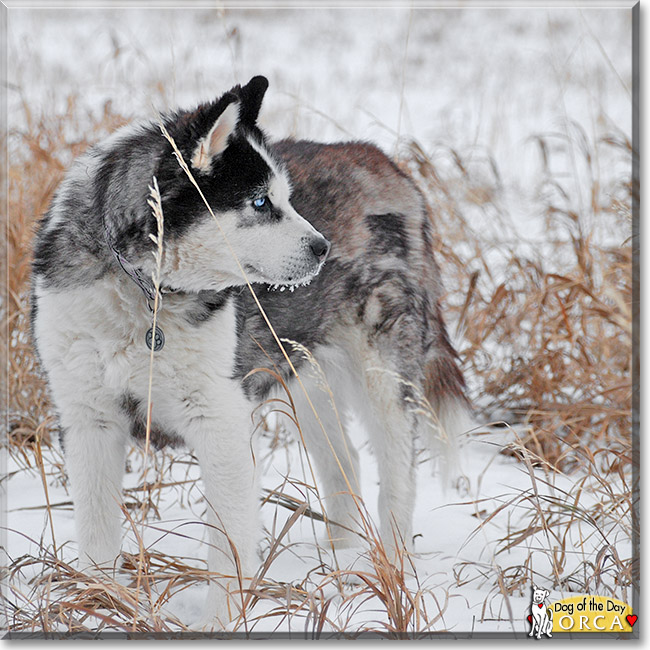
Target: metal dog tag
158, 339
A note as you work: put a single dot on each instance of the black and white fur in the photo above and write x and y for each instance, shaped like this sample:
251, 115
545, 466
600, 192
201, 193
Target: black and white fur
370, 315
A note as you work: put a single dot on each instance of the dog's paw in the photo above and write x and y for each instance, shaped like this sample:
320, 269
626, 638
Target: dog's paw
217, 611
212, 624
207, 623
107, 574
348, 565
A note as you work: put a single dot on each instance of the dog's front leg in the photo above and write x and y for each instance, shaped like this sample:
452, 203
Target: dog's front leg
95, 448
225, 454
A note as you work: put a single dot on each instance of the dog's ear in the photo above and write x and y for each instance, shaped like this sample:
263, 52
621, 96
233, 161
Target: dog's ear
214, 143
252, 95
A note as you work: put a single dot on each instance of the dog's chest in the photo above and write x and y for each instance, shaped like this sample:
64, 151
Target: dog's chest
100, 333
196, 357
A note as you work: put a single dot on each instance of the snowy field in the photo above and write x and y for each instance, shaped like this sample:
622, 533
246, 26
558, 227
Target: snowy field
503, 91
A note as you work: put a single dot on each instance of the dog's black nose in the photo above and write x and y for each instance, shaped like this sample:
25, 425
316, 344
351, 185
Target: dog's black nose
320, 248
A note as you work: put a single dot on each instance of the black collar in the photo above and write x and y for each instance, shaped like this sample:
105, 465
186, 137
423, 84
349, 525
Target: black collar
135, 273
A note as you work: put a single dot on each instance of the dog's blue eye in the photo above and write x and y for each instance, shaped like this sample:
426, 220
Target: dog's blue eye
260, 203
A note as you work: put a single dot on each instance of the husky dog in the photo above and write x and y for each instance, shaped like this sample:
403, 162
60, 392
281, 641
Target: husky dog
541, 615
370, 315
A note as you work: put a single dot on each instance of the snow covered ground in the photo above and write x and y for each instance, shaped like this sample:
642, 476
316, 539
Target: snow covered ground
459, 553
483, 82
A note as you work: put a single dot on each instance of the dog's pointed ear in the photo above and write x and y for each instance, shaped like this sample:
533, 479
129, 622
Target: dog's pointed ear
252, 95
213, 144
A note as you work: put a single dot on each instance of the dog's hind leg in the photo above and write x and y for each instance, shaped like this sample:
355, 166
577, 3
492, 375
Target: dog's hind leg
335, 459
392, 381
374, 392
396, 416
391, 429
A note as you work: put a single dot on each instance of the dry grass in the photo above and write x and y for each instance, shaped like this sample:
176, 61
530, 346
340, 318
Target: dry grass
551, 345
549, 348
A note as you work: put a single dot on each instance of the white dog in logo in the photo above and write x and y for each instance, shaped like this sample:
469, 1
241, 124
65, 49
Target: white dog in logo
542, 616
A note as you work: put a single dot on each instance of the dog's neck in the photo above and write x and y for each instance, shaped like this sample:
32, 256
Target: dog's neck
137, 274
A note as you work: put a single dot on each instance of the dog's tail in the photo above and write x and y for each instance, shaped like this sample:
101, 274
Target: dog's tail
452, 417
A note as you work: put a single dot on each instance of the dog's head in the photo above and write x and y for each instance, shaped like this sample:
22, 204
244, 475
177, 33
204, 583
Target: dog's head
539, 595
248, 191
